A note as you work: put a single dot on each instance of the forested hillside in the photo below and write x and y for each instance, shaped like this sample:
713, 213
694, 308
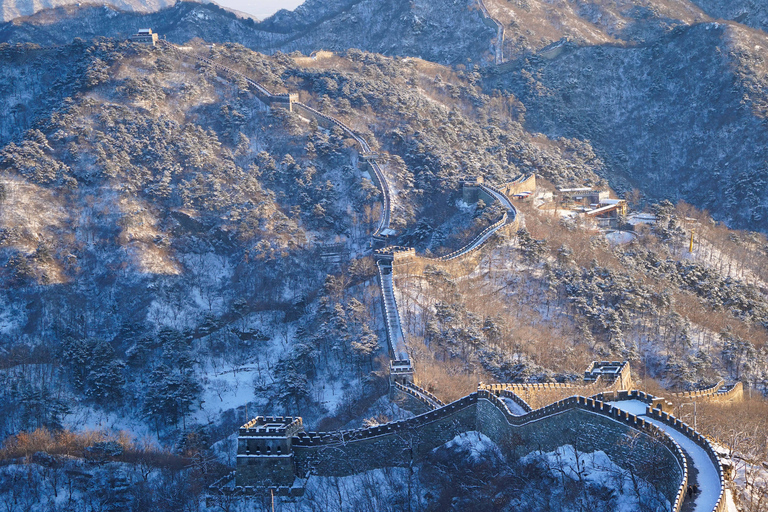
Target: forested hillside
679, 119
177, 257
661, 91
442, 31
166, 220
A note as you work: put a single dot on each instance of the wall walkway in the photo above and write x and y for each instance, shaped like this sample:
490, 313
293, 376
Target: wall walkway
494, 23
483, 411
708, 474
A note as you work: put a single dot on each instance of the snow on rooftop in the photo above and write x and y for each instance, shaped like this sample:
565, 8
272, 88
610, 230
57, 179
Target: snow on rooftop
602, 209
641, 218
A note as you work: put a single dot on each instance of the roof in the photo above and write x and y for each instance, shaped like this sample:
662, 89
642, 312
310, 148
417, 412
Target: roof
604, 209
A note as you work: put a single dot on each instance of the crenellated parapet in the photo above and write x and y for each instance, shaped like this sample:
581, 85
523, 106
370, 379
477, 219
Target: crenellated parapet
702, 442
422, 395
515, 398
599, 376
586, 423
654, 402
717, 393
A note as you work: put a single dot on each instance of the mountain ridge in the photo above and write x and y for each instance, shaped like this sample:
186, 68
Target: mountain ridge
14, 9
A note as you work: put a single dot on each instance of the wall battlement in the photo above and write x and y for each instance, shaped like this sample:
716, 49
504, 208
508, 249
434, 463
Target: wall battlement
424, 396
617, 376
717, 393
399, 443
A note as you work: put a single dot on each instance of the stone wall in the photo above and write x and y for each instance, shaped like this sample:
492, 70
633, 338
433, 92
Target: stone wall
270, 471
586, 424
717, 393
523, 184
419, 397
541, 394
471, 193
587, 432
395, 444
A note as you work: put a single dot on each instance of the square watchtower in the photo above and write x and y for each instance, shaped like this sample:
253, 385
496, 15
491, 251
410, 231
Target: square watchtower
610, 372
264, 451
144, 36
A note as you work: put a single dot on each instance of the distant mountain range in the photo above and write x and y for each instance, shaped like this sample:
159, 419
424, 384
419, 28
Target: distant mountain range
437, 30
12, 9
671, 97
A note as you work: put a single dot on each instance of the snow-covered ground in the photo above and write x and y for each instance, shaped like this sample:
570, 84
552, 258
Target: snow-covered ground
620, 237
596, 469
707, 476
477, 446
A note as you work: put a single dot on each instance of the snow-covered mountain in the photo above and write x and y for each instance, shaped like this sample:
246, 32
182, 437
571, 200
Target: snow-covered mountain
441, 31
604, 44
176, 257
12, 9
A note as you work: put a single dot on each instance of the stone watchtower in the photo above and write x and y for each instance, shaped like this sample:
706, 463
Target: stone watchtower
144, 36
610, 373
264, 451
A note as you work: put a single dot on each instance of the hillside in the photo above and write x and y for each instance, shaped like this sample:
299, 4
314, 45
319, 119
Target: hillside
197, 220
680, 119
748, 12
177, 257
619, 81
534, 24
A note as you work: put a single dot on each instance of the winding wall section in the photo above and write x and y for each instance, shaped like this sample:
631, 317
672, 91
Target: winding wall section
588, 424
499, 53
307, 448
401, 367
290, 101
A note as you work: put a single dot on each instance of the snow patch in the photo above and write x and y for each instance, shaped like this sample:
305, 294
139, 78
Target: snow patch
477, 445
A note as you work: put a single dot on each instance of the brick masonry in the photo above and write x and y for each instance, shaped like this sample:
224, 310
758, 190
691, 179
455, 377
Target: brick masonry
586, 424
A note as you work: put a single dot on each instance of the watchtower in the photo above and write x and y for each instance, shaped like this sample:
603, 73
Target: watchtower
610, 372
400, 371
145, 36
264, 451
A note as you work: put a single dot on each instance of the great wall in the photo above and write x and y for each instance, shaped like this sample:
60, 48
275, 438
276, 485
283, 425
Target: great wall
500, 32
276, 454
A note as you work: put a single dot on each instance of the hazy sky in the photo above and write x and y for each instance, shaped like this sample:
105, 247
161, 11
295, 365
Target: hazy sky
260, 8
